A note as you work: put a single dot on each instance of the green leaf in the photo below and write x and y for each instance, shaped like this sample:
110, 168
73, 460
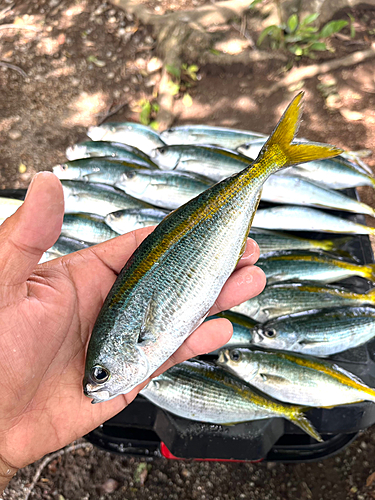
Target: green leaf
187, 100
254, 3
352, 28
332, 27
173, 70
296, 49
309, 19
144, 115
154, 125
155, 107
318, 46
193, 68
292, 23
215, 52
265, 32
174, 87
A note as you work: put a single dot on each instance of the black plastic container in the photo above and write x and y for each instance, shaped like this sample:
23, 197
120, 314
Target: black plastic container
143, 429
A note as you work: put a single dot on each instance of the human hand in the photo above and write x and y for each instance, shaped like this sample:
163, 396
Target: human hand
47, 313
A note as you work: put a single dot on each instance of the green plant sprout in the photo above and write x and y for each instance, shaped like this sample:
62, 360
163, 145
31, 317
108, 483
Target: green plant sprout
182, 79
148, 112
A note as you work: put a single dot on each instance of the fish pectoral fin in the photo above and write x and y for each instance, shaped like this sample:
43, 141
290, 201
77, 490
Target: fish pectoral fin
147, 327
267, 377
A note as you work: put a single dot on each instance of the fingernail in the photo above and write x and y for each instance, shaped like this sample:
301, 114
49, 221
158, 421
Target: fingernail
29, 189
250, 250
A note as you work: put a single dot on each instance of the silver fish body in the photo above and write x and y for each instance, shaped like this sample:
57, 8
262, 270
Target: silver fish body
209, 161
242, 327
133, 134
113, 150
205, 134
302, 267
100, 199
8, 207
63, 246
285, 299
88, 228
103, 170
199, 391
124, 221
296, 191
295, 378
320, 333
164, 189
294, 218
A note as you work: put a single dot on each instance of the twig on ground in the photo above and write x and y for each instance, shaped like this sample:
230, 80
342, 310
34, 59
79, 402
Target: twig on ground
49, 459
16, 68
112, 112
6, 10
18, 27
299, 74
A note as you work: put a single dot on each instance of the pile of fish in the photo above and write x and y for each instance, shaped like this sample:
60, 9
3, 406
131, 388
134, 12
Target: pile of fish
129, 176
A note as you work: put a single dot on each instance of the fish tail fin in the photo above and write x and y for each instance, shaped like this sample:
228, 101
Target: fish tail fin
369, 297
279, 152
298, 418
343, 247
368, 272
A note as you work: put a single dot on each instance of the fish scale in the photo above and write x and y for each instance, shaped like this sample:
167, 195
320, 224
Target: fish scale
142, 321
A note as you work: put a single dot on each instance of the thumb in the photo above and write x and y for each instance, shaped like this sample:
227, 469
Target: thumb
33, 229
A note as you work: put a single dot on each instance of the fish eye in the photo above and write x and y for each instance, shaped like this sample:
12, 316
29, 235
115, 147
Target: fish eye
235, 355
99, 374
271, 333
162, 150
64, 166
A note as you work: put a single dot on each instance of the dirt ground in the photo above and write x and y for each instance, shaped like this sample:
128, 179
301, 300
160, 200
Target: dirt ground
85, 59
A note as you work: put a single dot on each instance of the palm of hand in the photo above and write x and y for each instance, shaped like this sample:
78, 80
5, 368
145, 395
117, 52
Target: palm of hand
45, 323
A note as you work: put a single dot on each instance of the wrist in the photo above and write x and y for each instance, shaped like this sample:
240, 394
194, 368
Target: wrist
7, 471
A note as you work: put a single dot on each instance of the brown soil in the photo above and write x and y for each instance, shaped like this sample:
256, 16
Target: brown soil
88, 59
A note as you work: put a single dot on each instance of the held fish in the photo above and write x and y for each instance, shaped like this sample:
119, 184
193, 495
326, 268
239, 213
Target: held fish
320, 333
313, 268
114, 150
174, 277
133, 134
284, 299
290, 218
294, 378
204, 392
7, 207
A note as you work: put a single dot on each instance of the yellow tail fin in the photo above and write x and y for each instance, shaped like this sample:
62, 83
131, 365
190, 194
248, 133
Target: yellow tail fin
299, 419
279, 149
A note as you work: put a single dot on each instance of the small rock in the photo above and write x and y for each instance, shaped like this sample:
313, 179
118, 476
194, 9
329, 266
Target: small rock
351, 115
112, 20
109, 486
154, 64
14, 135
110, 75
74, 82
121, 32
149, 40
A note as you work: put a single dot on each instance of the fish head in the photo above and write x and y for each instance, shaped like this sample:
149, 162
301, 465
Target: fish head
66, 172
251, 149
108, 375
238, 361
273, 337
133, 182
76, 152
165, 157
99, 133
